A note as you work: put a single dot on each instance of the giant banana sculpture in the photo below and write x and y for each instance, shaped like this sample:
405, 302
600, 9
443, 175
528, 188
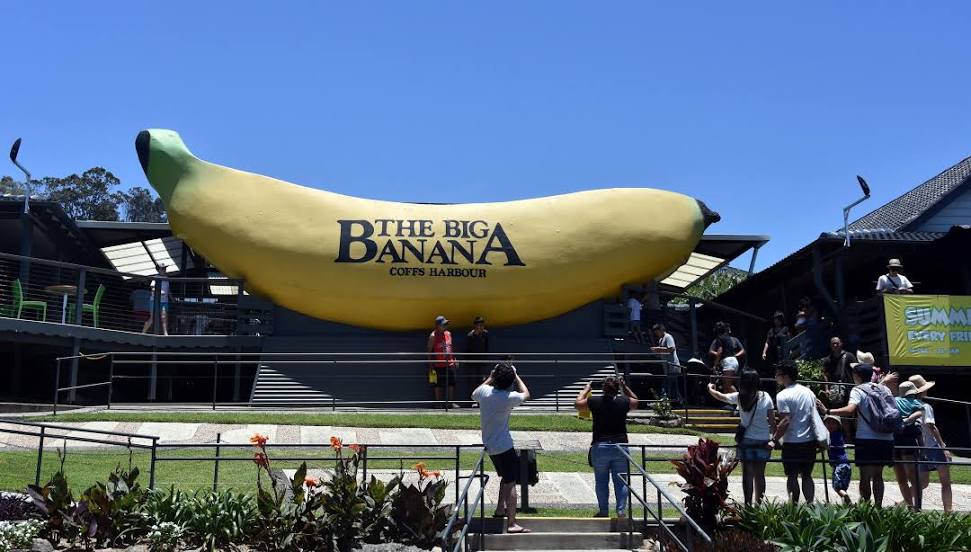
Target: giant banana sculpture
395, 266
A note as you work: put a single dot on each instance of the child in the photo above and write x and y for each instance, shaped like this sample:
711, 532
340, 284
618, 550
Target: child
838, 458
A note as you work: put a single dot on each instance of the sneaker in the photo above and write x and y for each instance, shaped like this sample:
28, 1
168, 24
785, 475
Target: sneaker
601, 515
455, 406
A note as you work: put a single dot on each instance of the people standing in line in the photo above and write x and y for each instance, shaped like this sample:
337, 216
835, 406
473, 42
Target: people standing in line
163, 303
836, 367
796, 406
726, 352
935, 455
838, 460
609, 429
634, 318
904, 441
444, 366
477, 347
893, 281
497, 396
757, 425
773, 352
869, 402
664, 343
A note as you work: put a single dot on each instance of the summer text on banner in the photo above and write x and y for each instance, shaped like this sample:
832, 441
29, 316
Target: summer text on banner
929, 330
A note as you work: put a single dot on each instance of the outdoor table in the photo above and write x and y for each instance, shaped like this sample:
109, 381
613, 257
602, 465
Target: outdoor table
65, 290
527, 451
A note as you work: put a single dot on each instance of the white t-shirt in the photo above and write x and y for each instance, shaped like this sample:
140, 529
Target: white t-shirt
757, 420
494, 408
887, 282
863, 429
634, 306
668, 343
800, 404
929, 439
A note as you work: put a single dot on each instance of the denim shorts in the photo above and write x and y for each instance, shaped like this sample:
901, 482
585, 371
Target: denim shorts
841, 476
753, 450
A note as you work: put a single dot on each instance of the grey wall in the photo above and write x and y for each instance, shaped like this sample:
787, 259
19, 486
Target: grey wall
957, 212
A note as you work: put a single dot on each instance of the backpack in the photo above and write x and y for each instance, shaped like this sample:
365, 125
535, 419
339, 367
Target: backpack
882, 406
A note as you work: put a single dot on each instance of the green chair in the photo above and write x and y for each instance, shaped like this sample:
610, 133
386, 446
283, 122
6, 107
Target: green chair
94, 307
17, 308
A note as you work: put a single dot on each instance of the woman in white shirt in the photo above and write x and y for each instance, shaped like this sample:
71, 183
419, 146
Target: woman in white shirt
757, 416
935, 456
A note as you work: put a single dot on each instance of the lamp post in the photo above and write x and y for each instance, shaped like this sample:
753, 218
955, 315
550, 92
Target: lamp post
14, 150
846, 210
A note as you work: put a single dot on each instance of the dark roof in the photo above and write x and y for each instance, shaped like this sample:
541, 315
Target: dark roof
885, 235
904, 210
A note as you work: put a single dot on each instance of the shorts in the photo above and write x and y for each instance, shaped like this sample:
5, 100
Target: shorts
798, 458
163, 304
841, 476
908, 437
634, 325
874, 452
507, 465
753, 450
440, 377
730, 364
933, 454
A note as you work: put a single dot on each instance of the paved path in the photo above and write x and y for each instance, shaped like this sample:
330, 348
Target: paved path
557, 489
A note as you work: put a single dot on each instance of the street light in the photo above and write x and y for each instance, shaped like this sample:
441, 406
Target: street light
13, 157
846, 210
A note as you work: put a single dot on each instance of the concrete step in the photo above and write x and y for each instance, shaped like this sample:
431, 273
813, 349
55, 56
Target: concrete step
694, 420
713, 428
575, 525
559, 541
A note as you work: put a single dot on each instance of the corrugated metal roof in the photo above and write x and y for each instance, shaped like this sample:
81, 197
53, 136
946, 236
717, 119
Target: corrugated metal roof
900, 212
886, 235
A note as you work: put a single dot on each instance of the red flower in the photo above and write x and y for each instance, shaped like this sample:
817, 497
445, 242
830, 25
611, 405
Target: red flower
335, 443
259, 439
436, 473
357, 448
422, 471
260, 459
311, 481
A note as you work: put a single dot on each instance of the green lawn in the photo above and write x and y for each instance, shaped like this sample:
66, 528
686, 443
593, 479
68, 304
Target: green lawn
84, 467
526, 422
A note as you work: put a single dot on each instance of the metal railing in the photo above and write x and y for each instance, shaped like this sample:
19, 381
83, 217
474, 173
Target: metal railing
72, 294
462, 504
323, 372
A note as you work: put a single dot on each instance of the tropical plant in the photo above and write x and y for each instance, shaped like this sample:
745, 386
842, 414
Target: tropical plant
811, 370
14, 507
113, 511
211, 520
164, 537
418, 511
662, 408
705, 486
55, 502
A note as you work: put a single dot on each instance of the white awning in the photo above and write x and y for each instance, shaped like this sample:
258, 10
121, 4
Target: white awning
141, 257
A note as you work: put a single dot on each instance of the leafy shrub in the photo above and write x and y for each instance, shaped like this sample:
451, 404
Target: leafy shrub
55, 502
811, 370
705, 486
213, 520
165, 537
14, 507
16, 535
417, 511
662, 408
113, 511
859, 527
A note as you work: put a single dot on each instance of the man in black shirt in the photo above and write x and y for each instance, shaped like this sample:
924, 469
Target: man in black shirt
477, 341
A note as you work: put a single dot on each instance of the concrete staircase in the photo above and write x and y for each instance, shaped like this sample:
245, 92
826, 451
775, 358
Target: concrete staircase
565, 534
568, 392
274, 387
711, 420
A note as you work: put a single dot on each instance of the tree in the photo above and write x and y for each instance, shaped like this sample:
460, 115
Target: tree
141, 206
714, 284
10, 186
89, 196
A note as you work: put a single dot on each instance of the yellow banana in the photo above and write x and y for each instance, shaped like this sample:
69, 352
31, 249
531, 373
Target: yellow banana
395, 266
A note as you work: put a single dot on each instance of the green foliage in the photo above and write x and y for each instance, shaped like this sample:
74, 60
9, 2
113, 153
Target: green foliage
212, 520
55, 502
714, 284
860, 527
139, 205
705, 486
10, 186
112, 512
18, 535
811, 370
88, 196
165, 537
662, 408
418, 512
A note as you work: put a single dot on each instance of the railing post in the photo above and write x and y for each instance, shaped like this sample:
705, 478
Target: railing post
363, 456
482, 502
215, 469
157, 307
111, 379
556, 385
918, 492
57, 384
79, 300
967, 420
151, 470
215, 380
825, 479
40, 457
458, 466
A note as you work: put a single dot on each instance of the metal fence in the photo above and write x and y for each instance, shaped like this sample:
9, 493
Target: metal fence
66, 293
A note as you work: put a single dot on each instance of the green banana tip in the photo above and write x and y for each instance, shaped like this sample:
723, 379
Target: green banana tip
164, 158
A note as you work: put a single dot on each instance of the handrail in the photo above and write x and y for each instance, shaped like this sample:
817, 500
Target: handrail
661, 492
392, 353
110, 272
464, 499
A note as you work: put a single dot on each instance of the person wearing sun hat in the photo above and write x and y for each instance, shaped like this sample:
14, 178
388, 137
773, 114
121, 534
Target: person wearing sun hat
935, 454
904, 453
893, 281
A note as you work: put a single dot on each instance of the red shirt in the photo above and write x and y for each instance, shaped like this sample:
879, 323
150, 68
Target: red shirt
442, 349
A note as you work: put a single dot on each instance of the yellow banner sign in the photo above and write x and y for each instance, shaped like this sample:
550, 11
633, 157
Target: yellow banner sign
929, 330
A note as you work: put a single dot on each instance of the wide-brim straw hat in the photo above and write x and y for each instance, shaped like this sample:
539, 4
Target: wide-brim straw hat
894, 263
863, 358
920, 383
906, 389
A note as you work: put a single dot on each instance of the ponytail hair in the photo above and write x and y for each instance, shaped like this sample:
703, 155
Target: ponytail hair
748, 390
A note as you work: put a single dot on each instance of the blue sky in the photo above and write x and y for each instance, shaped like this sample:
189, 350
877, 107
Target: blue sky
766, 111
